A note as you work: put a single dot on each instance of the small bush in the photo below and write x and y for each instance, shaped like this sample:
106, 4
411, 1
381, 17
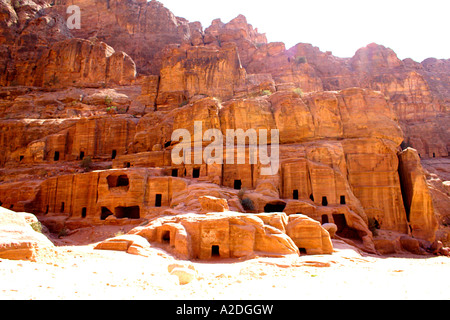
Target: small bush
111, 109
405, 145
37, 226
298, 91
62, 233
247, 204
300, 60
119, 233
374, 226
108, 101
241, 193
86, 163
266, 92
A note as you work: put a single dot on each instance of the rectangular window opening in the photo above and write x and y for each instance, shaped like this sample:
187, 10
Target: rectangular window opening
158, 200
196, 173
215, 252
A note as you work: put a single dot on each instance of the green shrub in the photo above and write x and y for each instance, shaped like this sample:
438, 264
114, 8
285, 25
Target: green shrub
298, 91
37, 226
111, 109
266, 92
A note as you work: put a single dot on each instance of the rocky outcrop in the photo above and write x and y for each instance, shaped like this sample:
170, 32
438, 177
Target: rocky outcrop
190, 71
117, 196
417, 93
18, 240
337, 148
234, 235
129, 243
288, 71
334, 72
212, 204
27, 29
236, 31
435, 71
308, 235
418, 202
141, 29
87, 117
78, 62
437, 172
44, 141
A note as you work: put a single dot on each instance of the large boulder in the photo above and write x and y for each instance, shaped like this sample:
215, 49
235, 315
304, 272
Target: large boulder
129, 243
18, 239
309, 235
213, 204
217, 235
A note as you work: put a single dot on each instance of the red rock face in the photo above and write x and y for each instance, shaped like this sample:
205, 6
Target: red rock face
141, 29
210, 71
107, 97
77, 62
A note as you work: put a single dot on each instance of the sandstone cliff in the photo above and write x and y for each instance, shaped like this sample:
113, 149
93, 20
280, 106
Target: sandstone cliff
87, 117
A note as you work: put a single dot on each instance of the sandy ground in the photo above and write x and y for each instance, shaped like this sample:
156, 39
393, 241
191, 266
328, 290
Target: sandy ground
83, 273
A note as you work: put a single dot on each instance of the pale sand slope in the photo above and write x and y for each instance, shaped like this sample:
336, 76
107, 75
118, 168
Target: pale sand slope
84, 273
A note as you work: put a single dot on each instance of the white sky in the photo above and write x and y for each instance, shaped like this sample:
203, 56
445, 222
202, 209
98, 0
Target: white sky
412, 28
